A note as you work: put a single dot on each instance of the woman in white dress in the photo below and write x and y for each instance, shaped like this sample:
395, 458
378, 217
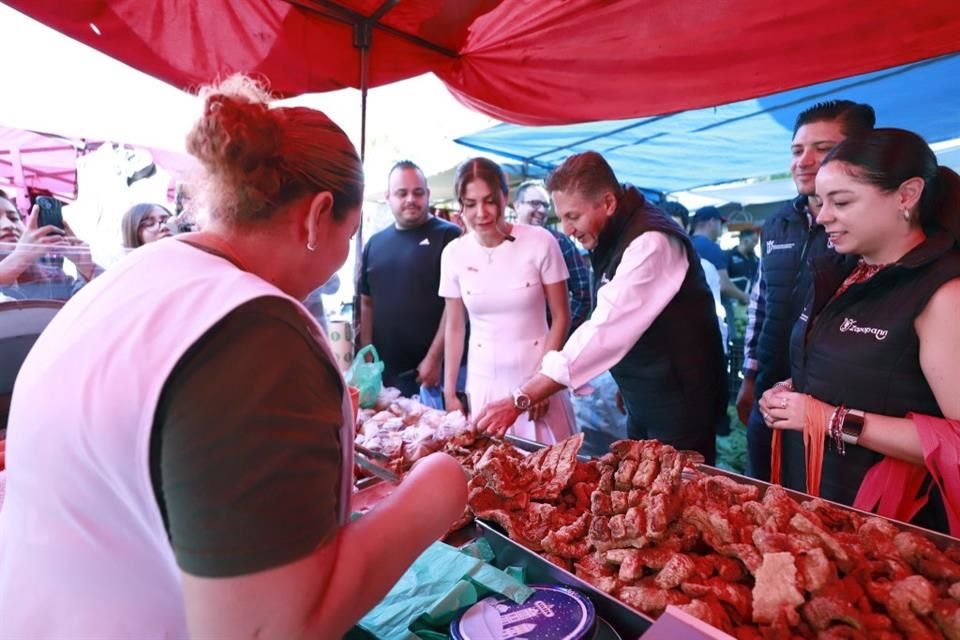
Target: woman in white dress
503, 276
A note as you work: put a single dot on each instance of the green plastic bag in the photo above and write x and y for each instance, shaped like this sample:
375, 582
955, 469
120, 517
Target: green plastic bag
366, 376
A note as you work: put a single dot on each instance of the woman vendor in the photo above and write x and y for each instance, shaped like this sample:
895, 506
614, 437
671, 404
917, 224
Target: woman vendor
179, 455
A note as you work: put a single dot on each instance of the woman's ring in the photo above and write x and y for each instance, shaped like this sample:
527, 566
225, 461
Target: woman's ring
783, 402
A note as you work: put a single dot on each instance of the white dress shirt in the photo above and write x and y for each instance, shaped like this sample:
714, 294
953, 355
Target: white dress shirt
651, 271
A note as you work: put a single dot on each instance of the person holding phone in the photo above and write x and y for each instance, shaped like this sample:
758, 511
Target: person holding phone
32, 254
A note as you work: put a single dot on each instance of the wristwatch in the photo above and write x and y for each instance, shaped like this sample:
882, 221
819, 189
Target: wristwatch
521, 400
852, 426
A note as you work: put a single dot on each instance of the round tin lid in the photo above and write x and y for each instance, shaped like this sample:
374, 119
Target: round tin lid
553, 612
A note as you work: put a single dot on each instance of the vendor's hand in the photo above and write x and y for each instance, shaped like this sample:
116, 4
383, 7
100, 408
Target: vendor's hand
497, 417
745, 399
539, 409
783, 408
428, 371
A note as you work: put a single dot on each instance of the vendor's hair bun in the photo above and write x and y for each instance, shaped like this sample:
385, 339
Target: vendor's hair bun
260, 159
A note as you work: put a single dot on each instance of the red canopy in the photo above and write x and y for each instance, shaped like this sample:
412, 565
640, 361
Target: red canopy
523, 61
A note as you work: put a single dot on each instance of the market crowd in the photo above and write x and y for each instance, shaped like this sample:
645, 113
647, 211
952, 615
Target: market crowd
207, 422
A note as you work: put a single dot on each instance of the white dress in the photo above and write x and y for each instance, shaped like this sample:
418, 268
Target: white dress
502, 289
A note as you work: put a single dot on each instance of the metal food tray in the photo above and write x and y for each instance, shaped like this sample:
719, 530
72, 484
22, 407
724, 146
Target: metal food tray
625, 620
939, 539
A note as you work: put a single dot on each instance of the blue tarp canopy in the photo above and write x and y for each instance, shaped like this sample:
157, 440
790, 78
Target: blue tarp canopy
747, 139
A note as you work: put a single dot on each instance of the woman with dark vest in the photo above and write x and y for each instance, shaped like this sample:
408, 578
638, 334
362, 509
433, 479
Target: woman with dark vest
654, 327
180, 439
874, 355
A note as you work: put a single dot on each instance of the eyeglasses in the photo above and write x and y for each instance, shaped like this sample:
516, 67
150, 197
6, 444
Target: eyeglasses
150, 221
536, 204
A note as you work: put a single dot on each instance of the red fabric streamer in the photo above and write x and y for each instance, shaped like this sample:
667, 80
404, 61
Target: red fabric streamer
814, 439
892, 487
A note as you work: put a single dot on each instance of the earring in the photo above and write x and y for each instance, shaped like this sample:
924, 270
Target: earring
906, 214
311, 246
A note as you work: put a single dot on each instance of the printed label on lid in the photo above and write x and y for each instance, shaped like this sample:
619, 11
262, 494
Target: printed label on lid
551, 613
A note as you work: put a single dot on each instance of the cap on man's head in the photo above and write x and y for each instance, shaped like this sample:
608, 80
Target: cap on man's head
707, 213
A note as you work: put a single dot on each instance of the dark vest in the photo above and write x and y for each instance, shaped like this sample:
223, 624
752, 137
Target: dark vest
862, 350
788, 244
673, 378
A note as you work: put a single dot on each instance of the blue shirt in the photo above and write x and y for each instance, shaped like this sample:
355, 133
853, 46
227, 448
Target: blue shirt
710, 251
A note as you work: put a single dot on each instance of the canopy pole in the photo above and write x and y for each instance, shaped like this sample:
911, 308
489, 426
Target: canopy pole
363, 40
362, 33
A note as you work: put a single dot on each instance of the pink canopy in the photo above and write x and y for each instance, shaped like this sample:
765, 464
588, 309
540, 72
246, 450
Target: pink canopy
29, 159
523, 61
49, 162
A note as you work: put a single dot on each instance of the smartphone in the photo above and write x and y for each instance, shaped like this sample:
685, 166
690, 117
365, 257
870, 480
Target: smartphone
51, 212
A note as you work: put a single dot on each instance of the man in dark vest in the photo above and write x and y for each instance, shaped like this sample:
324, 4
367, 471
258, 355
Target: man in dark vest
654, 327
789, 241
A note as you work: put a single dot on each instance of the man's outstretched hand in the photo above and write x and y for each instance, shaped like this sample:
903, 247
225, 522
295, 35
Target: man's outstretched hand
497, 417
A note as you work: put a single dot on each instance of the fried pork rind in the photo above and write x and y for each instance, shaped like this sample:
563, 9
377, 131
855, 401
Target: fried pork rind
642, 525
569, 541
821, 612
775, 590
553, 467
946, 613
709, 610
925, 557
650, 598
816, 570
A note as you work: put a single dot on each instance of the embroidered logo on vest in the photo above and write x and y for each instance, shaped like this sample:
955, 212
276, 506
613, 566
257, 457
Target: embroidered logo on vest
773, 246
849, 325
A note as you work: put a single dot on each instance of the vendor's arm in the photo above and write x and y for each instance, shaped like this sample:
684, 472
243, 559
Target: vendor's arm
428, 371
650, 274
249, 485
325, 593
939, 352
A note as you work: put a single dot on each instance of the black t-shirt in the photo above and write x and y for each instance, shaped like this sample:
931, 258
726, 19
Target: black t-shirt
401, 273
245, 449
742, 269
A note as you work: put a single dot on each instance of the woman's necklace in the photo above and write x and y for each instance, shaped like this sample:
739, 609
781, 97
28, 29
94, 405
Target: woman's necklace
489, 250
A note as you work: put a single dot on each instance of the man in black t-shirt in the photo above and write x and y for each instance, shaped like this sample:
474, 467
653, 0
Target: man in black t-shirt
401, 312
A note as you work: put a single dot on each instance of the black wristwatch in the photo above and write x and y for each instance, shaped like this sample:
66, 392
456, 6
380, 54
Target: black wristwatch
852, 426
521, 400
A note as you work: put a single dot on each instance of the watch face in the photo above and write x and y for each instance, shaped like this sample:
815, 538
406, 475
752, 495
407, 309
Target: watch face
521, 401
